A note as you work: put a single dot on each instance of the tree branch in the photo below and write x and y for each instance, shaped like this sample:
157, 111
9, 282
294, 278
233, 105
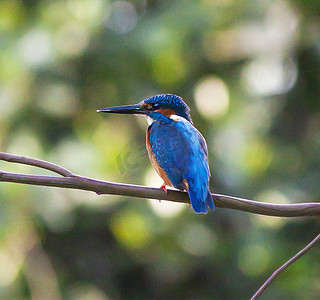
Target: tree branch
284, 266
35, 162
74, 181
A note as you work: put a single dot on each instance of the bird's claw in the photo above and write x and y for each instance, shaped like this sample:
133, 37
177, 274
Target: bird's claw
164, 188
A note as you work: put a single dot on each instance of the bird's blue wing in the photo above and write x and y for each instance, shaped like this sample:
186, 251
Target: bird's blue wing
181, 152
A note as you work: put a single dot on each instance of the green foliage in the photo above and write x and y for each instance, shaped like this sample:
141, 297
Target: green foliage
249, 70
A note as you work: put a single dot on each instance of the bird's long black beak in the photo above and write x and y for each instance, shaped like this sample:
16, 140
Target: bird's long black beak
125, 109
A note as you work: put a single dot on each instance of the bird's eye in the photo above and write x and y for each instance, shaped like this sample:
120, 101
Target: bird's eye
152, 106
156, 106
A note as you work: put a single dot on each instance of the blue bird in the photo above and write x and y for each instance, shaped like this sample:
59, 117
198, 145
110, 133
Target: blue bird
176, 149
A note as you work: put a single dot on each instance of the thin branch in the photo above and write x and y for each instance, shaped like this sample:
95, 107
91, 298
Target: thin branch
74, 181
35, 162
286, 265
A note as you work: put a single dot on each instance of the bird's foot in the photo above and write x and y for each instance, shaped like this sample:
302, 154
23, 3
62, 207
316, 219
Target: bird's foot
164, 188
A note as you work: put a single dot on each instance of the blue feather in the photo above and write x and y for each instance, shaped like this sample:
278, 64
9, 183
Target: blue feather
181, 152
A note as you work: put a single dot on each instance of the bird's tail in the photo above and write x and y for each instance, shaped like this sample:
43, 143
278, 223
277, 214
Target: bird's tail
200, 201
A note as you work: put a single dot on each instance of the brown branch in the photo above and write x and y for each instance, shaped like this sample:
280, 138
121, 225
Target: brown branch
73, 181
286, 265
35, 162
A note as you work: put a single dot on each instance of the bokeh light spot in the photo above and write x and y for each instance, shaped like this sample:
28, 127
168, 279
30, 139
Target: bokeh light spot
10, 266
269, 75
168, 67
64, 154
87, 11
84, 291
212, 97
59, 100
253, 260
110, 146
10, 101
197, 239
24, 142
71, 38
36, 47
258, 157
131, 229
56, 211
122, 17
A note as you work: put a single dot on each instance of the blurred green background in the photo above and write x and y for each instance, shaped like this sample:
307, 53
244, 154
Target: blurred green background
249, 70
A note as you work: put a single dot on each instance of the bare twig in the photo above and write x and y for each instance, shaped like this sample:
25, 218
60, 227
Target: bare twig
35, 162
73, 181
286, 265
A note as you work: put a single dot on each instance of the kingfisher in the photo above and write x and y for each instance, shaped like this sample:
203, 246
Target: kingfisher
176, 149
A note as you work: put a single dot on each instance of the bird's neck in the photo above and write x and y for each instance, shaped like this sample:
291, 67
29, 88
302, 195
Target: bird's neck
158, 117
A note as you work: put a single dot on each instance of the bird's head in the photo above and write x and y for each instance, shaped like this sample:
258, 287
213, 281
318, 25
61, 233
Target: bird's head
166, 104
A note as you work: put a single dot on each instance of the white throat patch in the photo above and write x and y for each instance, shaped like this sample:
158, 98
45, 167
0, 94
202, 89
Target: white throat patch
172, 117
150, 120
177, 118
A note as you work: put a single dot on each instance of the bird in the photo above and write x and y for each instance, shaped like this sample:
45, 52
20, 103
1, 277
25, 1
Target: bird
176, 149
